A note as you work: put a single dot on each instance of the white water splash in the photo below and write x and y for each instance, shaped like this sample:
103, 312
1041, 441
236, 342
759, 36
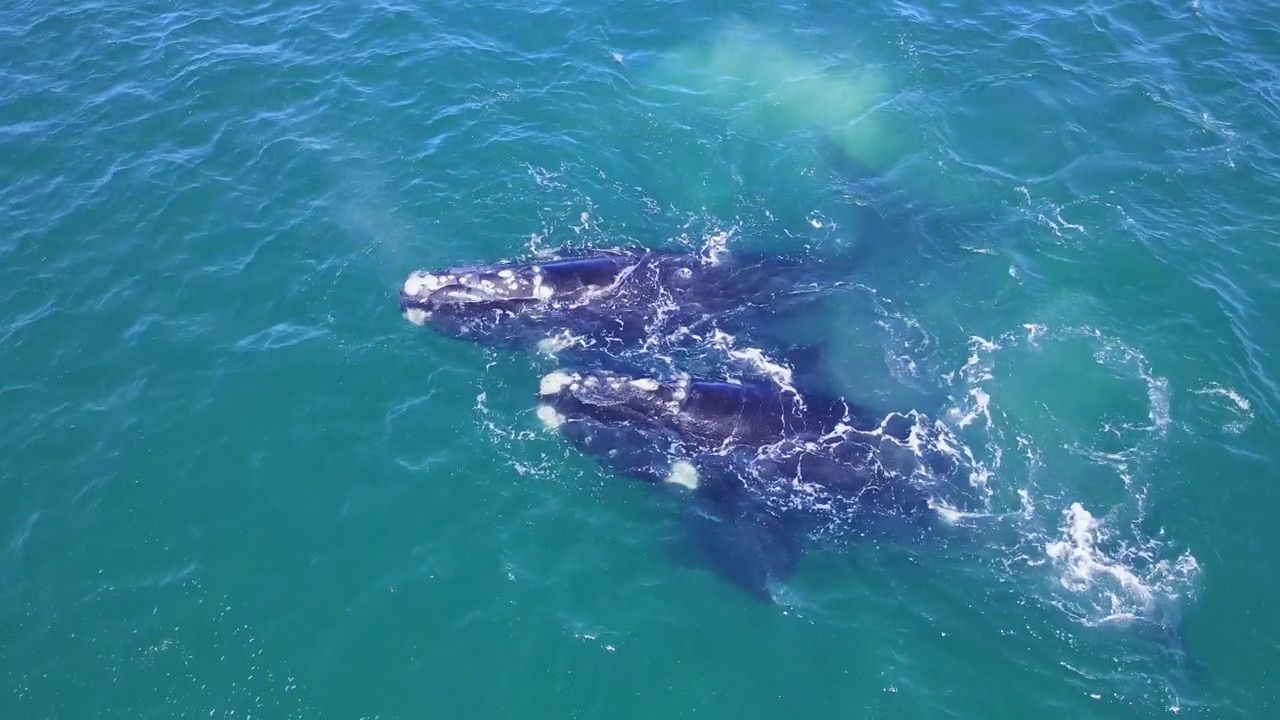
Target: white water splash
1240, 407
754, 358
1118, 581
561, 341
715, 246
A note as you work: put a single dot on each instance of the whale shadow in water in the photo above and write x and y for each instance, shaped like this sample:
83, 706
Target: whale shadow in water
891, 220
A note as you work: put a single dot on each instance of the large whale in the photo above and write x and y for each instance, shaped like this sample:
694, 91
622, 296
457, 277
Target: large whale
614, 300
763, 466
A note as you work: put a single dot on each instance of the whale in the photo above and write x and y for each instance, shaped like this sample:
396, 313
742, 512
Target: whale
759, 466
617, 300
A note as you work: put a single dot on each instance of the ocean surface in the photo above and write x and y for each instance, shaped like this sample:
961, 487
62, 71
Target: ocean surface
235, 482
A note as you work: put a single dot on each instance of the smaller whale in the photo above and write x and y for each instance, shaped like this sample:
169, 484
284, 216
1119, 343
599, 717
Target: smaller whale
611, 300
762, 465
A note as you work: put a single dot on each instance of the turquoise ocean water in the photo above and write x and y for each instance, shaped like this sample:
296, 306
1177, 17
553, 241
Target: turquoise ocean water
234, 482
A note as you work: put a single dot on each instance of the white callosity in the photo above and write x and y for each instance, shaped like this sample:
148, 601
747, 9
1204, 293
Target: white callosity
417, 316
549, 417
419, 282
555, 382
684, 474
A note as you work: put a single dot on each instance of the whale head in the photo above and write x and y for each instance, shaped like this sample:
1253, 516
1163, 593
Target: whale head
606, 397
704, 410
496, 300
470, 291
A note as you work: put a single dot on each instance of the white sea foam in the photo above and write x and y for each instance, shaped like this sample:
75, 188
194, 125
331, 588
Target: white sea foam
715, 246
1104, 567
754, 359
563, 340
1110, 578
1239, 406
